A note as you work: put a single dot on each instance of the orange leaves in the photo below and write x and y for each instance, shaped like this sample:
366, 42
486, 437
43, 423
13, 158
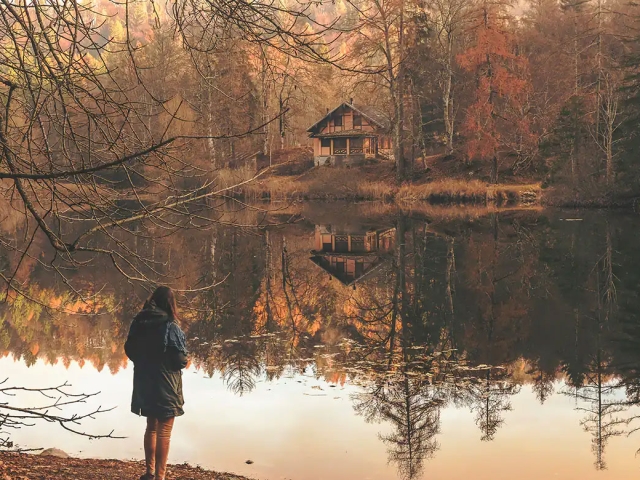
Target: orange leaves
479, 124
491, 44
502, 86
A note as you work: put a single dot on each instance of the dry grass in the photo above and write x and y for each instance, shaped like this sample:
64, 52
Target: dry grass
374, 182
372, 190
444, 191
454, 191
526, 194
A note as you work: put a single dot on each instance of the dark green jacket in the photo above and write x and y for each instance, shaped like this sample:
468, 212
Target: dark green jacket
157, 348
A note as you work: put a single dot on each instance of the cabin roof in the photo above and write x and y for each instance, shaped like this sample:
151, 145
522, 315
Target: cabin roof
380, 261
345, 133
374, 114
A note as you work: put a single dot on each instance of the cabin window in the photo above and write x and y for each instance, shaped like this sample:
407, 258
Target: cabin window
327, 245
356, 145
357, 121
325, 146
357, 244
338, 121
342, 243
339, 146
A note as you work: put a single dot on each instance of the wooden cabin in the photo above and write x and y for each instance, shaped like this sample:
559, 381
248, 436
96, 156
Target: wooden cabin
349, 257
349, 134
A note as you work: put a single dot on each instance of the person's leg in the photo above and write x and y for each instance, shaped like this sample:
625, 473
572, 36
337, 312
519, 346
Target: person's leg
165, 426
150, 445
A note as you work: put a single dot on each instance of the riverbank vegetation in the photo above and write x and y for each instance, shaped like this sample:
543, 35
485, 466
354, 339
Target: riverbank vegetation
442, 182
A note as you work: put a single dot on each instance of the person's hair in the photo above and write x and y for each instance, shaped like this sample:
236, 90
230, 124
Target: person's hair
165, 300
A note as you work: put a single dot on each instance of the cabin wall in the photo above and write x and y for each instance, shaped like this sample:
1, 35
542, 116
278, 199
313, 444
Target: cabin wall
347, 122
331, 154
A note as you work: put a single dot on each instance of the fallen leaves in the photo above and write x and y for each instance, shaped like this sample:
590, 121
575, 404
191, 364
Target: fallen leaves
22, 466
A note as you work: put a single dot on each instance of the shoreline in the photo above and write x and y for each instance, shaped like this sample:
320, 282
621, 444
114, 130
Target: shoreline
440, 194
29, 466
376, 182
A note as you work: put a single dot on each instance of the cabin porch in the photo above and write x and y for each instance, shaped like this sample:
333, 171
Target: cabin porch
344, 150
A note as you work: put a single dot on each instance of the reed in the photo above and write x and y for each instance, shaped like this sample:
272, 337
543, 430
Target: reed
381, 191
329, 184
444, 191
455, 191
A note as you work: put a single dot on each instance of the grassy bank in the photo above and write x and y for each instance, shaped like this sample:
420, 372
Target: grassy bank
452, 191
375, 182
27, 466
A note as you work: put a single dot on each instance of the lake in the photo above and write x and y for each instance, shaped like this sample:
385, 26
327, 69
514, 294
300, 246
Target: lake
345, 341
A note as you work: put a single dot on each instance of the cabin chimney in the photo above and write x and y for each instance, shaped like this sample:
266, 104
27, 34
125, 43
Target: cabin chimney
351, 101
327, 109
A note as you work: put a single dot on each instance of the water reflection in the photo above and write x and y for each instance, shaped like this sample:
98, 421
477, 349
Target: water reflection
349, 256
422, 313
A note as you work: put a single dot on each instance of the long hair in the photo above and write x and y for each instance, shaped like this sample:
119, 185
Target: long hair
165, 300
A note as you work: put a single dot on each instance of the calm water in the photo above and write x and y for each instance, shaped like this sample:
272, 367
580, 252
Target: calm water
362, 342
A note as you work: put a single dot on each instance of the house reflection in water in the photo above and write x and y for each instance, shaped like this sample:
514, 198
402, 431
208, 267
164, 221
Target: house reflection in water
350, 256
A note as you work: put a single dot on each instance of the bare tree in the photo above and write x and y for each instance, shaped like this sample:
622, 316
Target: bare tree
54, 408
380, 53
93, 151
449, 19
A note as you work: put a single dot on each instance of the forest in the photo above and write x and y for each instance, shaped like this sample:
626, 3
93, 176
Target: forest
128, 128
126, 95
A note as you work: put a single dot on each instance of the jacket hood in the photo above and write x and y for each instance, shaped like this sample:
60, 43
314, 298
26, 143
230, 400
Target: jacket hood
152, 315
158, 327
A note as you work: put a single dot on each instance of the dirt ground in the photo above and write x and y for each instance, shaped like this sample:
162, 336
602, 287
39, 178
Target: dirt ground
14, 466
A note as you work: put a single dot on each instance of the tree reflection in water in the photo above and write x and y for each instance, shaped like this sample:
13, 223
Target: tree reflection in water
421, 313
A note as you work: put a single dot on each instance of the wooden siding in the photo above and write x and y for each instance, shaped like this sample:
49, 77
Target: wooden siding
347, 122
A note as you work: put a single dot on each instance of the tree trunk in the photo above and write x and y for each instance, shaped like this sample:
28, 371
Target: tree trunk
265, 106
399, 104
398, 135
447, 99
494, 170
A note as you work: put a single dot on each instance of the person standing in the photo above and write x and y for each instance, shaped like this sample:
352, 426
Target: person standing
157, 347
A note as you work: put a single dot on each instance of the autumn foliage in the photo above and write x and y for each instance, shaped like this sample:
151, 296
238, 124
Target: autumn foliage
498, 115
